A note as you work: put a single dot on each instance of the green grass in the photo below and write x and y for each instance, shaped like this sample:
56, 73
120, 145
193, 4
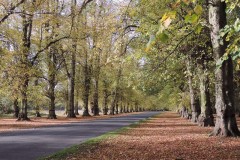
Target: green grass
63, 154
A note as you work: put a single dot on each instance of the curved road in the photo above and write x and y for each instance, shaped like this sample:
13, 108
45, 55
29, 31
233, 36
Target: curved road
31, 144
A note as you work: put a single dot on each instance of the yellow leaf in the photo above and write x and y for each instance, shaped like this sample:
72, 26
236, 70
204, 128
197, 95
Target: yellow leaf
164, 17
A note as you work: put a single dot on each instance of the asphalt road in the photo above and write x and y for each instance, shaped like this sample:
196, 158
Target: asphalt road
30, 144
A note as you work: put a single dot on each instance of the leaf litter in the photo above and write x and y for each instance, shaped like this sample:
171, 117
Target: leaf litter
166, 136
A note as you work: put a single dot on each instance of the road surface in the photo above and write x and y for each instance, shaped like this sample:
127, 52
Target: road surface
30, 144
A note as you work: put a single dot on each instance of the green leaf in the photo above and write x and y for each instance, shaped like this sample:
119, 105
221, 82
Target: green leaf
194, 18
191, 18
187, 18
163, 37
198, 29
198, 10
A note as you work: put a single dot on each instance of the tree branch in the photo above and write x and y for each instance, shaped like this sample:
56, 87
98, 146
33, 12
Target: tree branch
47, 46
84, 5
11, 11
175, 48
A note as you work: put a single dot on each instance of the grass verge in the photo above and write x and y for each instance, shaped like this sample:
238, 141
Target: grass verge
90, 143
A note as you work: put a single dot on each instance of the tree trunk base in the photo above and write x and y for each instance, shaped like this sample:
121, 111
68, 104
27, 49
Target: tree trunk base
76, 113
52, 117
16, 114
228, 129
206, 121
105, 111
96, 112
71, 116
52, 114
194, 118
38, 114
86, 114
23, 117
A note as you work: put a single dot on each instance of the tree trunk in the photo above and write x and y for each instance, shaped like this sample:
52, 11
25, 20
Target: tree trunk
26, 44
237, 95
52, 60
23, 116
52, 114
127, 111
37, 108
105, 101
206, 117
95, 99
70, 111
121, 105
117, 103
86, 90
132, 108
38, 111
113, 104
116, 93
226, 124
72, 73
16, 108
71, 82
76, 108
136, 107
194, 106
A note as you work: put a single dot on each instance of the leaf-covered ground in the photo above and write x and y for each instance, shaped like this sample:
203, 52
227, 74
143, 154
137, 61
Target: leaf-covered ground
163, 137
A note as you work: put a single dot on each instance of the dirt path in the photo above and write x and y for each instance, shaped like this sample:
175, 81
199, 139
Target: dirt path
164, 137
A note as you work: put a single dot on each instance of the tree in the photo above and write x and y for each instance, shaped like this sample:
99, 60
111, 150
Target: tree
226, 124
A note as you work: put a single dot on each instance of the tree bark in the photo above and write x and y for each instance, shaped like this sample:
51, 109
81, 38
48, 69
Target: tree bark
105, 99
52, 114
113, 104
226, 124
16, 108
71, 82
121, 105
23, 116
52, 60
116, 94
117, 103
127, 110
194, 105
24, 80
95, 98
71, 75
86, 90
136, 107
206, 117
76, 108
